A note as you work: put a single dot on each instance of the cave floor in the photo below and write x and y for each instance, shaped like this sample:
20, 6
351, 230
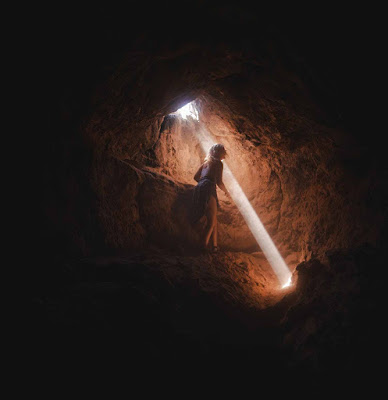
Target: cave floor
222, 308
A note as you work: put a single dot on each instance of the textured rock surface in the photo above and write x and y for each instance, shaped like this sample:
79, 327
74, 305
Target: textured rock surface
292, 166
111, 175
315, 184
332, 324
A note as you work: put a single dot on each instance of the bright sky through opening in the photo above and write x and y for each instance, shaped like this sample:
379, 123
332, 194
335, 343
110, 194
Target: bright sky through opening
188, 110
251, 218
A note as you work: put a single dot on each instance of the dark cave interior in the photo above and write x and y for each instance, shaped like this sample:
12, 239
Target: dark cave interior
119, 276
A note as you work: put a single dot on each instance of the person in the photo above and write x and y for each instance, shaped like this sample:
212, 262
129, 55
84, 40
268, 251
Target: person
205, 200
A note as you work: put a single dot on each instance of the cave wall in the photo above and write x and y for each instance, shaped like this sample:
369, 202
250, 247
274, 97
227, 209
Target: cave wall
287, 158
316, 183
332, 324
319, 187
306, 125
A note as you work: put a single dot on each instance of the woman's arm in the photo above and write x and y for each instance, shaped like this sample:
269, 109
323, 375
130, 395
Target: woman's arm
223, 188
197, 175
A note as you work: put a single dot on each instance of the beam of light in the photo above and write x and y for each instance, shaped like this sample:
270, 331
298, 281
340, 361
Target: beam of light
266, 244
188, 110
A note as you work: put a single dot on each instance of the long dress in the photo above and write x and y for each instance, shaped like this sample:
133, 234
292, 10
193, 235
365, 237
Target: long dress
211, 175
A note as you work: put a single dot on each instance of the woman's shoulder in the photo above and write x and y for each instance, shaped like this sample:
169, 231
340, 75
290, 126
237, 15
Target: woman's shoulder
217, 164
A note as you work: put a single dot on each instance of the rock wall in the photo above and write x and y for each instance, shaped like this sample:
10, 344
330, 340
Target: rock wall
315, 185
332, 322
293, 167
297, 104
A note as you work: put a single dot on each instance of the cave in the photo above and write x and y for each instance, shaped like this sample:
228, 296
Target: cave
115, 270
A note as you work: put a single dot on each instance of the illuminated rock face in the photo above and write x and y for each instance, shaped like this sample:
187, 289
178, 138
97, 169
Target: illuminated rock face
291, 164
122, 158
314, 187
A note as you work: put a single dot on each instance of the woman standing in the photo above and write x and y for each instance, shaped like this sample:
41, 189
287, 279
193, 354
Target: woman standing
205, 201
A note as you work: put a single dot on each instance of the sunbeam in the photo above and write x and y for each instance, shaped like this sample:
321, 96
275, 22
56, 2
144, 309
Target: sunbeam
262, 237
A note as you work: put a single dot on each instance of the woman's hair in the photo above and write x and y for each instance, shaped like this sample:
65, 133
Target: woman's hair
215, 152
